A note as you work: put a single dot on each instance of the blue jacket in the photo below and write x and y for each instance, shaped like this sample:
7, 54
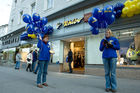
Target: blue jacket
44, 51
34, 56
110, 52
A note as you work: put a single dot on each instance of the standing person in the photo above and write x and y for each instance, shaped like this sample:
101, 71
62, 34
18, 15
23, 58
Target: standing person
36, 70
79, 60
29, 61
70, 59
109, 45
18, 58
34, 60
44, 57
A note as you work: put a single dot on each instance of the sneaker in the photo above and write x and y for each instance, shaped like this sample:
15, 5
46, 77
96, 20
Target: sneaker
45, 84
107, 89
35, 72
40, 86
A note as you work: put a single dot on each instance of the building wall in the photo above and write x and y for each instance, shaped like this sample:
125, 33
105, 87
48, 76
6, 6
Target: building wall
40, 7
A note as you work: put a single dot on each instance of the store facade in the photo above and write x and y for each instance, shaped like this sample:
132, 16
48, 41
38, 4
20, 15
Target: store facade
71, 31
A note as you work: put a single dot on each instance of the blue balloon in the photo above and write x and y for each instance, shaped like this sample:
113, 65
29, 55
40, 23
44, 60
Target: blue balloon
36, 17
110, 20
30, 28
36, 30
118, 13
24, 36
44, 21
45, 30
118, 6
95, 31
99, 24
27, 18
93, 22
50, 29
97, 13
38, 24
108, 11
104, 24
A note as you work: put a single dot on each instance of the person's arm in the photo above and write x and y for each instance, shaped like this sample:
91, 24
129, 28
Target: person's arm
116, 44
39, 42
102, 45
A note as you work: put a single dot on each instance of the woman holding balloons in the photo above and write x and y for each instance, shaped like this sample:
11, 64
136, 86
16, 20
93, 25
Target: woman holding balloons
108, 46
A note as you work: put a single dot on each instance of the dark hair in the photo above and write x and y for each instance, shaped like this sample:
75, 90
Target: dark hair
31, 51
17, 51
45, 36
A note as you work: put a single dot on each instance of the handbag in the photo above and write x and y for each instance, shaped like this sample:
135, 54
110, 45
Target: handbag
28, 59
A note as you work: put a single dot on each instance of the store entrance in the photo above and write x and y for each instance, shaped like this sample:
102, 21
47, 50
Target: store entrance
77, 45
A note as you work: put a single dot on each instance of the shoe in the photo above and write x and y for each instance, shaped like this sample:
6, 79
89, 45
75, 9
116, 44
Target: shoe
107, 89
114, 91
45, 84
35, 72
40, 86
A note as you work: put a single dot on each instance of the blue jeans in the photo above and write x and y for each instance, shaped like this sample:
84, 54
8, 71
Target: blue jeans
17, 65
70, 68
110, 72
37, 68
33, 65
43, 66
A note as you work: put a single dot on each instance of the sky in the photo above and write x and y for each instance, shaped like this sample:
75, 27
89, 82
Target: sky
5, 9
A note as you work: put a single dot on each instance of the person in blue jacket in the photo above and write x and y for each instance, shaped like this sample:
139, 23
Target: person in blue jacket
109, 45
44, 57
34, 60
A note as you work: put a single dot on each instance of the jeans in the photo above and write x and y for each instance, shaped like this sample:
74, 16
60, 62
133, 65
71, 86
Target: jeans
110, 72
70, 68
33, 65
43, 67
37, 68
17, 65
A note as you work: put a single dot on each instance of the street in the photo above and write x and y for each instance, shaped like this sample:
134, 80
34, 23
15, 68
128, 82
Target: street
20, 81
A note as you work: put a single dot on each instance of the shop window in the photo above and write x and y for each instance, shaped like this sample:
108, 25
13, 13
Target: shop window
48, 4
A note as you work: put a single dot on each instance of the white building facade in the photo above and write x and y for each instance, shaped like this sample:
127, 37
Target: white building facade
76, 36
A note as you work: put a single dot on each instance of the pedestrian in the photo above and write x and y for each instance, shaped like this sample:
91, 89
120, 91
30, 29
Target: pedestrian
34, 60
108, 46
70, 59
29, 61
18, 58
79, 60
44, 57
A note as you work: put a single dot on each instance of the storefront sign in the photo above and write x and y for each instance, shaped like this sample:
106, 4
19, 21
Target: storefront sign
69, 23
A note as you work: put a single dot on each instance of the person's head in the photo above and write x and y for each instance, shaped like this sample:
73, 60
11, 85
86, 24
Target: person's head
35, 50
45, 38
17, 51
108, 33
70, 49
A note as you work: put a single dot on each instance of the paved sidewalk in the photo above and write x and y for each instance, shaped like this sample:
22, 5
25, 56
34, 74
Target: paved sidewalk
20, 81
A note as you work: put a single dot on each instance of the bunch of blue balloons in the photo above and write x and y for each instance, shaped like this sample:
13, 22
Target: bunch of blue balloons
101, 18
118, 9
35, 26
